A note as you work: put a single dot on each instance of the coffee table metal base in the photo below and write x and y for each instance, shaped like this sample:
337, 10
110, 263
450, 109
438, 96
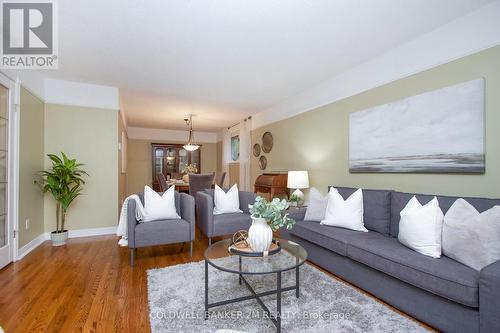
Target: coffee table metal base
275, 318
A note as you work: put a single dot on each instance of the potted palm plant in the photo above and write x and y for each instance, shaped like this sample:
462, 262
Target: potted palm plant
64, 181
267, 216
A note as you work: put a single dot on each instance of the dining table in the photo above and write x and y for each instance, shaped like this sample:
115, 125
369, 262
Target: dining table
180, 185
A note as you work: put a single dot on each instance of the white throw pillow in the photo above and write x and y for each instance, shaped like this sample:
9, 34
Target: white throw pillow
159, 207
316, 207
470, 237
420, 227
345, 213
226, 202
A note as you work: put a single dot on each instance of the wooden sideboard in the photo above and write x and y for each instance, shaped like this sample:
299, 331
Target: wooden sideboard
272, 183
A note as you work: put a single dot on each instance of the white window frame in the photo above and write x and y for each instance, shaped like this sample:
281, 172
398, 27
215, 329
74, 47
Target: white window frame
233, 134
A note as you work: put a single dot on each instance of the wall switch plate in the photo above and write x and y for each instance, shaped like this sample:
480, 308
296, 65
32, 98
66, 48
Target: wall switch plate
27, 224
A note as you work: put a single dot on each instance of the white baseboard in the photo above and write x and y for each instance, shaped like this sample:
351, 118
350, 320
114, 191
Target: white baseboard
23, 251
91, 232
33, 244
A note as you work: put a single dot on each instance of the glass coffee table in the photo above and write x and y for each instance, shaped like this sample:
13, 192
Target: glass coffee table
291, 256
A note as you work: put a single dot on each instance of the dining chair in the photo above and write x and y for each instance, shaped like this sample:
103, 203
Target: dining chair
162, 181
219, 178
200, 182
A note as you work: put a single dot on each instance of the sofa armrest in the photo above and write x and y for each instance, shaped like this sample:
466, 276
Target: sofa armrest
205, 212
246, 198
489, 298
131, 223
188, 212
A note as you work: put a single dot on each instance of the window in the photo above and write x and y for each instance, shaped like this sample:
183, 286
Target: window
235, 148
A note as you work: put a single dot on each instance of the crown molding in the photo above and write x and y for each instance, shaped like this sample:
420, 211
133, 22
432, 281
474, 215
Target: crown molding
158, 134
31, 80
66, 92
81, 94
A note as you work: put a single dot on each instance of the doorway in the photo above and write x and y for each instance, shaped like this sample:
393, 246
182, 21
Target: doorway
8, 175
171, 160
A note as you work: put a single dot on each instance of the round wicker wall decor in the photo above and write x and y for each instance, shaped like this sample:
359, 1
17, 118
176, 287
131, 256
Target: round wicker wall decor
256, 150
267, 142
263, 162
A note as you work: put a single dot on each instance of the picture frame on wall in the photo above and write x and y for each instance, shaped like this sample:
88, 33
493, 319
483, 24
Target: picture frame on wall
441, 131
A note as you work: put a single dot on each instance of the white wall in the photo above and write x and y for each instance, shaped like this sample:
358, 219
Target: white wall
464, 36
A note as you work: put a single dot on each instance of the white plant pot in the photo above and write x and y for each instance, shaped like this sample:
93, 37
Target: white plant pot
59, 238
260, 235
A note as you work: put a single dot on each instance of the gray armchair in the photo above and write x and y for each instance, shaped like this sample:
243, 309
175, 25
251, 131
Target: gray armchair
224, 224
164, 231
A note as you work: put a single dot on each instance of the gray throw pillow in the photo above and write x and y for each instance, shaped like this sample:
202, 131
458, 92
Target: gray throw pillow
470, 237
316, 207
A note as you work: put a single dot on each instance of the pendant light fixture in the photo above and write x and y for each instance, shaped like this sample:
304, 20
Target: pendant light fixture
190, 146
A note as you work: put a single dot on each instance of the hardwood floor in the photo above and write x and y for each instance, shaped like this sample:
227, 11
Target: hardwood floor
85, 286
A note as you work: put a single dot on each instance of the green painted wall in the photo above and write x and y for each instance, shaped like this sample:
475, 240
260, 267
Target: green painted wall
31, 159
318, 140
90, 136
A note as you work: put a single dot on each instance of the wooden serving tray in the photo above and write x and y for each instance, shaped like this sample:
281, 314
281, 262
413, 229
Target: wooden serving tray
242, 249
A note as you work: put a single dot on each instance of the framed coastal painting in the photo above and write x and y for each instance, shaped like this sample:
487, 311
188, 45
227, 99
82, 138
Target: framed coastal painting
440, 131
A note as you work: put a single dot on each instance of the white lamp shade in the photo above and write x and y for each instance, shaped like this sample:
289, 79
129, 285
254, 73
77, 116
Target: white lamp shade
298, 179
191, 147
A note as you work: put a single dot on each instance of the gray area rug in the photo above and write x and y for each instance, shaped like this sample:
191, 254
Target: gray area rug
176, 303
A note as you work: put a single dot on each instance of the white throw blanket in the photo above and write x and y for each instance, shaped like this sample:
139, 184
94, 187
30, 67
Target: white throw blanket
140, 215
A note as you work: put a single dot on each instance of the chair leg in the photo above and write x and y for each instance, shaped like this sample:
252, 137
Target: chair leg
191, 250
209, 241
132, 255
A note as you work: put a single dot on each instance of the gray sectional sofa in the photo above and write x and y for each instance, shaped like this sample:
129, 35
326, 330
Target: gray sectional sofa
443, 293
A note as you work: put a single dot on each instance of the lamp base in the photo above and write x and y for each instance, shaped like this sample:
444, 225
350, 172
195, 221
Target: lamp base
300, 196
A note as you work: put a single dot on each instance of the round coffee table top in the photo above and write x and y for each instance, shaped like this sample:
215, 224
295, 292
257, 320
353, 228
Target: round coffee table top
291, 256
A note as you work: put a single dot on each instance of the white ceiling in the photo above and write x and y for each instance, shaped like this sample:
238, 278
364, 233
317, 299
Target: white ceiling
224, 59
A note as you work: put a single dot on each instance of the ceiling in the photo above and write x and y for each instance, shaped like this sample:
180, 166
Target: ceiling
222, 60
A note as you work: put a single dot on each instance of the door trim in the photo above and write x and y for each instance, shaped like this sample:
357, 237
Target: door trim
14, 146
13, 167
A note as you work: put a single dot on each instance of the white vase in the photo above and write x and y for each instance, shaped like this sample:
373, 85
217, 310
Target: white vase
260, 235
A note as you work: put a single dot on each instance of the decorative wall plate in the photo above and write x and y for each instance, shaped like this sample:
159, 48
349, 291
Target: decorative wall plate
263, 162
256, 150
267, 142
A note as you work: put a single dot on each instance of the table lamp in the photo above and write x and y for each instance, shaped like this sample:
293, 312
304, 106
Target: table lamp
298, 180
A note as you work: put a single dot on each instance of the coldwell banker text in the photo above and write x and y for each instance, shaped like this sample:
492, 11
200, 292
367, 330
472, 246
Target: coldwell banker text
29, 35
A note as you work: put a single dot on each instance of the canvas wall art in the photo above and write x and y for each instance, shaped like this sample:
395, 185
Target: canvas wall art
440, 131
